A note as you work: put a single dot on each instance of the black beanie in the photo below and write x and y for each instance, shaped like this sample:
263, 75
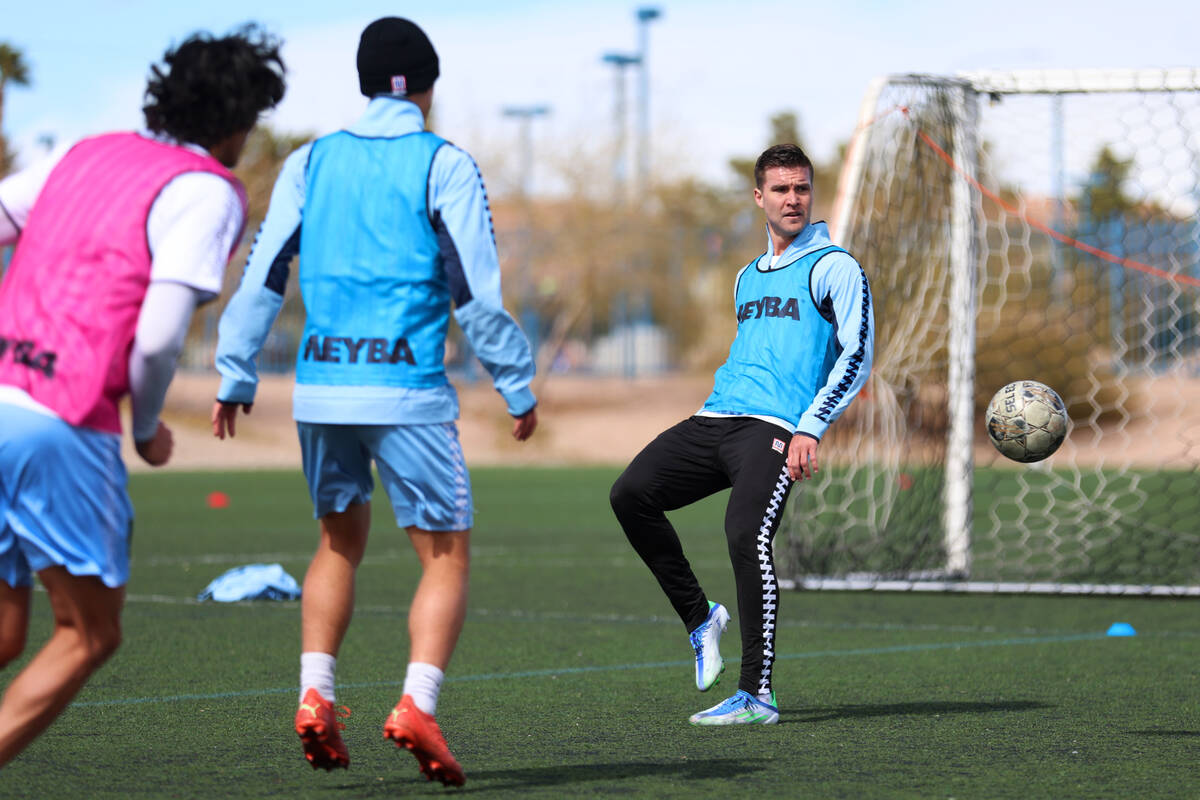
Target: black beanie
395, 57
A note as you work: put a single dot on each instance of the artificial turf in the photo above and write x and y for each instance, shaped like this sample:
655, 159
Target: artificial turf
573, 678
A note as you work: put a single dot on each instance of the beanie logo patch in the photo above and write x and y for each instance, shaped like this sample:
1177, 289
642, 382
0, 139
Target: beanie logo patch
399, 85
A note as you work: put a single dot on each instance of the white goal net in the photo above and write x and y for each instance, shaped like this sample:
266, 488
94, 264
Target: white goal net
1027, 225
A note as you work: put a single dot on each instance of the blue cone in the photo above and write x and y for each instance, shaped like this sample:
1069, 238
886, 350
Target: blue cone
1121, 629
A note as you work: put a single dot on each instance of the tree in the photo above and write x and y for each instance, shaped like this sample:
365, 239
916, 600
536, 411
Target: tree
1103, 196
12, 68
266, 150
785, 129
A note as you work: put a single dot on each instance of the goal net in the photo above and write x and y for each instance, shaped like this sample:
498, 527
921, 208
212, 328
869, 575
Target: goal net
1022, 225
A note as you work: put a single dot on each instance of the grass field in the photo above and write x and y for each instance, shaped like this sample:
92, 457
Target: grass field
574, 679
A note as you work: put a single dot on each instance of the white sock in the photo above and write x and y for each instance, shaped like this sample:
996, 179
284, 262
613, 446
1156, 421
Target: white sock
423, 682
316, 672
766, 698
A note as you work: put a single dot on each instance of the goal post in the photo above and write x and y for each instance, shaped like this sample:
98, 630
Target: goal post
1018, 225
960, 372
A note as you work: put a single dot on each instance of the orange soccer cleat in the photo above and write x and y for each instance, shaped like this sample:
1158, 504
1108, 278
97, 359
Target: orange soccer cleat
411, 728
319, 727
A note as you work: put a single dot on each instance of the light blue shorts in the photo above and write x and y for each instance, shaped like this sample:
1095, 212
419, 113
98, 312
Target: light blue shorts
421, 466
63, 499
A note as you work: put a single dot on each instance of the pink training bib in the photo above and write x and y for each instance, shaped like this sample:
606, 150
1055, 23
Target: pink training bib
70, 299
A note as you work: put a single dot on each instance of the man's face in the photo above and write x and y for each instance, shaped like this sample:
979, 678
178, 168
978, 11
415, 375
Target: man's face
786, 198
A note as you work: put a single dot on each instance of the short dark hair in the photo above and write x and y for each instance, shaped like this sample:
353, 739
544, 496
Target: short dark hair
780, 155
212, 88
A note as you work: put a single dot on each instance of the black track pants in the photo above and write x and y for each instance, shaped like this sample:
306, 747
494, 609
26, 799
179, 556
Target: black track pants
690, 461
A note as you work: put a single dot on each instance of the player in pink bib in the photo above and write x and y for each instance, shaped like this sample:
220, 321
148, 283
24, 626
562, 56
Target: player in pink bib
66, 338
118, 240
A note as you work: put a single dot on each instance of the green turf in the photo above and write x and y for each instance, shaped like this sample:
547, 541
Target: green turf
573, 679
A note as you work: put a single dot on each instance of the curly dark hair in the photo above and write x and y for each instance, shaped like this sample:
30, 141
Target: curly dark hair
780, 155
212, 88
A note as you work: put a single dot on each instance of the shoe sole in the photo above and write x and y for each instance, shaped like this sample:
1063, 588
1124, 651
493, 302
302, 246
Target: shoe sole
758, 720
431, 764
318, 752
716, 680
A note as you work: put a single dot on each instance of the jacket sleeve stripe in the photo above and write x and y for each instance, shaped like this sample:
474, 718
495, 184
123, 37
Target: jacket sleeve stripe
856, 359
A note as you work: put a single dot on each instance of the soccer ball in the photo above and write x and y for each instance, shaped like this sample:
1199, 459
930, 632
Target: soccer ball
1026, 421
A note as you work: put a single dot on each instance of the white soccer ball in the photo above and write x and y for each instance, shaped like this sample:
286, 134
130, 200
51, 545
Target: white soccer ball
1026, 421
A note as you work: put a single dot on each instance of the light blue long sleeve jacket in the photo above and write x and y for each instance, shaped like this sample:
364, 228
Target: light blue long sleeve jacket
462, 232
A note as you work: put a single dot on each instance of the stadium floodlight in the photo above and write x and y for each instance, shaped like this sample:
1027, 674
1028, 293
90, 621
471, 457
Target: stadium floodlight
525, 116
621, 62
645, 15
621, 59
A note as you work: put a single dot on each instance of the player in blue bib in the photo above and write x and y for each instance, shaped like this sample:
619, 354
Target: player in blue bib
803, 350
394, 233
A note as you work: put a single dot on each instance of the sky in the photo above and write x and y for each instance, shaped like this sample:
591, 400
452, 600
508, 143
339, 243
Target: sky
717, 71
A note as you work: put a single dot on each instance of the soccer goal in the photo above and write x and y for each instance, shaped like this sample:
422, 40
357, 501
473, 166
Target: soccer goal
1018, 225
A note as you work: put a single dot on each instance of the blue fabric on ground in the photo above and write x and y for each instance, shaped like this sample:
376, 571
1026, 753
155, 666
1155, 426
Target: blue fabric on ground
252, 582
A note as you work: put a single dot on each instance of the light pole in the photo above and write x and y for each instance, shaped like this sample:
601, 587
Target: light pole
645, 15
525, 115
622, 320
621, 61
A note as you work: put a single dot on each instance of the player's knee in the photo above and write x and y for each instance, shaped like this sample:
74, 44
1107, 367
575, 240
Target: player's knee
626, 496
101, 641
348, 544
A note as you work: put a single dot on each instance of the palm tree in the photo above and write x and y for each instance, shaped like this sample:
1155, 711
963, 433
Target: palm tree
12, 68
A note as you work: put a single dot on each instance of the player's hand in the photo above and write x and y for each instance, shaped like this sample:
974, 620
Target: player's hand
224, 417
156, 450
524, 425
802, 457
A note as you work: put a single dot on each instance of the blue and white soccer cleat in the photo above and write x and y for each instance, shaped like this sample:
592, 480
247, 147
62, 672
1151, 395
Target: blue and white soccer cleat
741, 709
706, 641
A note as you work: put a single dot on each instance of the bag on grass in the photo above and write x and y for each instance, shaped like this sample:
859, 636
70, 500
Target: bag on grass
252, 582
